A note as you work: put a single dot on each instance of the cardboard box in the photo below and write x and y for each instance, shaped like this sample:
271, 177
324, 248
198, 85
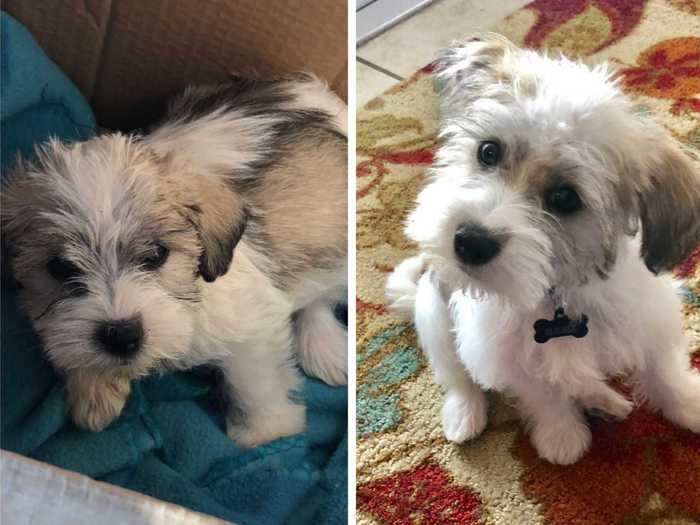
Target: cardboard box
127, 56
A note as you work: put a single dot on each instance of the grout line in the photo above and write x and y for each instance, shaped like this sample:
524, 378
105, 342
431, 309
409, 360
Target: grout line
366, 6
396, 20
379, 68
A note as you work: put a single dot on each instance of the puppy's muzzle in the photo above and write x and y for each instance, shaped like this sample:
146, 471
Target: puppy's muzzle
474, 245
122, 338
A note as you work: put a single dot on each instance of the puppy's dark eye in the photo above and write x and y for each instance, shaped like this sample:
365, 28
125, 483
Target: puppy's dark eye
563, 200
489, 153
62, 269
156, 258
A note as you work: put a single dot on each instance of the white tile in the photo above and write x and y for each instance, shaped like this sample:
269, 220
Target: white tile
415, 42
371, 83
380, 15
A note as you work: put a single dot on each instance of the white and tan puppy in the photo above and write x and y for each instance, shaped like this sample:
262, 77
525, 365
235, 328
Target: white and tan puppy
218, 238
549, 193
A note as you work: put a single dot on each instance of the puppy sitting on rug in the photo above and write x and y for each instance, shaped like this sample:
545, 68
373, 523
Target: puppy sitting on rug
218, 238
532, 278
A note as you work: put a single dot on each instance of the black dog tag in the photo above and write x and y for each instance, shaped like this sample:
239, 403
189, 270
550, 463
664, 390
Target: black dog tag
560, 326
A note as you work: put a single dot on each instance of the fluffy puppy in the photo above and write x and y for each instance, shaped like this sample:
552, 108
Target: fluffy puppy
218, 238
544, 178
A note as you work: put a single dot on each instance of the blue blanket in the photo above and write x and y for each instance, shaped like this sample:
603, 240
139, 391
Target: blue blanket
170, 441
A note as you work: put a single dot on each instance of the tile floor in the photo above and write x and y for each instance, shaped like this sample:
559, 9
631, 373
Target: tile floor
397, 53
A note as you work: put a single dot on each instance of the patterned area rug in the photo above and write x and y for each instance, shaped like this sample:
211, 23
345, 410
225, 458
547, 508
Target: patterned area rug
642, 470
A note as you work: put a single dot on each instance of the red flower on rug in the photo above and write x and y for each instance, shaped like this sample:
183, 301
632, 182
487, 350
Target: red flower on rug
628, 461
363, 305
669, 69
582, 26
425, 494
683, 105
375, 168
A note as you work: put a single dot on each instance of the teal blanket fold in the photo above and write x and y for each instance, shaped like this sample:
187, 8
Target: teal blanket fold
170, 441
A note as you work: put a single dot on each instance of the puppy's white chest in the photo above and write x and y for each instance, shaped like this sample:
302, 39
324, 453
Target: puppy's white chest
237, 308
497, 344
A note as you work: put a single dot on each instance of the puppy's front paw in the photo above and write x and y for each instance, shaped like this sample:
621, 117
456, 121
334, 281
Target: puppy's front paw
563, 441
264, 426
95, 401
611, 403
464, 415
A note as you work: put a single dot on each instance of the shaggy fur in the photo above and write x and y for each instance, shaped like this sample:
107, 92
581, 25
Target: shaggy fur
559, 124
210, 235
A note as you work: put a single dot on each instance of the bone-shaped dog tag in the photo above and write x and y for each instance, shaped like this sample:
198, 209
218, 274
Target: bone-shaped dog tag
560, 326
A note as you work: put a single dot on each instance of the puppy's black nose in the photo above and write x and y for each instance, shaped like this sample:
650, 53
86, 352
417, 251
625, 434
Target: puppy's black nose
121, 338
474, 245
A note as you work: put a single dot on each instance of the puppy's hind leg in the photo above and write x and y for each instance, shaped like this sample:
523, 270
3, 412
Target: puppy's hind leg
322, 343
671, 386
601, 397
464, 413
262, 379
558, 430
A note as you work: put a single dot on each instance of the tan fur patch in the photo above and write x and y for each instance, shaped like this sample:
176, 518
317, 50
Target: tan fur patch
211, 208
303, 206
533, 177
96, 399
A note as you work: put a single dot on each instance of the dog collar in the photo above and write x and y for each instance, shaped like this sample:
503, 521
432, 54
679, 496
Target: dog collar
562, 325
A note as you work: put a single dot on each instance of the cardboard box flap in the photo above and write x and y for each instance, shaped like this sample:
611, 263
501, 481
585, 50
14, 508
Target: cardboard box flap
127, 56
155, 48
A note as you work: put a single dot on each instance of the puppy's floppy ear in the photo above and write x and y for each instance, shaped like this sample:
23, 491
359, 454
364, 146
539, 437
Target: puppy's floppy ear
669, 207
467, 67
222, 224
220, 218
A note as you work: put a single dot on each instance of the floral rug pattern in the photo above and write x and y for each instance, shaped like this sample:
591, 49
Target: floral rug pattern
640, 471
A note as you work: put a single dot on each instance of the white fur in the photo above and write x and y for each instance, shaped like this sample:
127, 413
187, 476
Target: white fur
315, 94
475, 323
464, 412
320, 337
216, 143
401, 285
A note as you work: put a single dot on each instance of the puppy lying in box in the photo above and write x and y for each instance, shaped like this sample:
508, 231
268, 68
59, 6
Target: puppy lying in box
218, 238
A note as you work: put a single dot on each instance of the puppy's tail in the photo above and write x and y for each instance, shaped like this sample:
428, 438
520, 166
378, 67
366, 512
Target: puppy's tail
402, 285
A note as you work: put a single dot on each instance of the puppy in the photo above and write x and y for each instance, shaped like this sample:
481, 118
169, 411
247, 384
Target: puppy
218, 238
544, 177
